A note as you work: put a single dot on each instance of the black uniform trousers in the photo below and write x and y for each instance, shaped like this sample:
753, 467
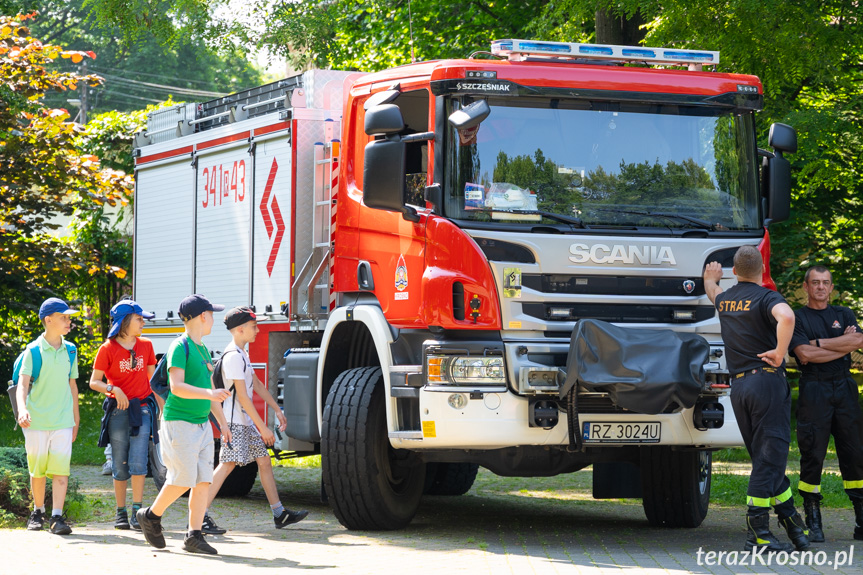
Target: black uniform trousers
828, 404
762, 407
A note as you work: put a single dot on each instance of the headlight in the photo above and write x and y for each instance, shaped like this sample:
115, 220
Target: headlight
469, 370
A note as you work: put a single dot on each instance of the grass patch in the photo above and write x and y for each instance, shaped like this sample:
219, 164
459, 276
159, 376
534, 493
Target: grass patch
308, 462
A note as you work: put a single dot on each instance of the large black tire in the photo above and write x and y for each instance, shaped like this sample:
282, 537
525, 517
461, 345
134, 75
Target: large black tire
675, 486
449, 478
240, 481
370, 485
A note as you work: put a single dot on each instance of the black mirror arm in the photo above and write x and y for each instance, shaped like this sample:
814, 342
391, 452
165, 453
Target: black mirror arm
421, 137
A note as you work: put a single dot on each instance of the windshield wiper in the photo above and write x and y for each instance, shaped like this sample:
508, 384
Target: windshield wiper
699, 223
551, 215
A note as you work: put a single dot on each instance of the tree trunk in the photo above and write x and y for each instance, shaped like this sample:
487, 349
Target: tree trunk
613, 28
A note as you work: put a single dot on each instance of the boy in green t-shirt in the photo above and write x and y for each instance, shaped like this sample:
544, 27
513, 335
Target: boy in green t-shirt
186, 438
48, 413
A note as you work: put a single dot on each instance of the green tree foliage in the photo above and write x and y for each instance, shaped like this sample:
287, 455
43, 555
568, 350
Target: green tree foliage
44, 176
342, 34
139, 71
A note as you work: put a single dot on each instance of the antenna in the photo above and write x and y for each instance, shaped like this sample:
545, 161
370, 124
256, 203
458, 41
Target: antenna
411, 29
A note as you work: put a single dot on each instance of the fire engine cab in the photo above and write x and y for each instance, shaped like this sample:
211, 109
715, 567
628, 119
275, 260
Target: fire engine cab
493, 262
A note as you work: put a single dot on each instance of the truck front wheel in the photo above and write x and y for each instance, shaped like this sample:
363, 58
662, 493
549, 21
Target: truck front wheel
675, 486
370, 485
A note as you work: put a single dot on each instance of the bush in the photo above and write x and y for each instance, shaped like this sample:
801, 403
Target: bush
14, 485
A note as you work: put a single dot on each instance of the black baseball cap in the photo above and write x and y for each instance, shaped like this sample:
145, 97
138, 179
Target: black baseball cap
237, 316
195, 305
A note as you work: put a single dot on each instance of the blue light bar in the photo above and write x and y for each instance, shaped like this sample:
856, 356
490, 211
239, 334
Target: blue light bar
595, 50
519, 49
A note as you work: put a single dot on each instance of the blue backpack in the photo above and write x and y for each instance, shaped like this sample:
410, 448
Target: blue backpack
36, 355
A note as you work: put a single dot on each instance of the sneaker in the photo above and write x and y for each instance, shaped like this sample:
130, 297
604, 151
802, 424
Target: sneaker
289, 517
195, 543
36, 521
122, 519
152, 528
210, 528
106, 468
133, 520
58, 525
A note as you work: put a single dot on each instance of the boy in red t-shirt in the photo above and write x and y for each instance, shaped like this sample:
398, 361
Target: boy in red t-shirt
131, 408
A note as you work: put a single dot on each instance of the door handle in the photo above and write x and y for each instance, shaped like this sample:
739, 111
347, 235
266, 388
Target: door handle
365, 281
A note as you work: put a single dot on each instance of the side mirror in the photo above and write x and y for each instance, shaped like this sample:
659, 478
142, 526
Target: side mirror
470, 116
384, 177
385, 120
782, 138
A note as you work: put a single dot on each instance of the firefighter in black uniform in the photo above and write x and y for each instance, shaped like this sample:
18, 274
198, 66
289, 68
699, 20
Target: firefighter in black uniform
757, 325
824, 337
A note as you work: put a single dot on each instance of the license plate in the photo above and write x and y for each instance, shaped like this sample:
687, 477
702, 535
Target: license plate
641, 432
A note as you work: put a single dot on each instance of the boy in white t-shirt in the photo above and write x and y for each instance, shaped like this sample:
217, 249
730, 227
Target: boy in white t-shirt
249, 434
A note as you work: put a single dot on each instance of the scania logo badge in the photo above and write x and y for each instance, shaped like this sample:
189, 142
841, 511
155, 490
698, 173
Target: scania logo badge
688, 286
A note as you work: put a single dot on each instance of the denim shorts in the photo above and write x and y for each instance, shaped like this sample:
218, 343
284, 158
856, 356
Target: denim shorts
129, 453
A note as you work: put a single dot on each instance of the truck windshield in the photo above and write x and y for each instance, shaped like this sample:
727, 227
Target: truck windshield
601, 164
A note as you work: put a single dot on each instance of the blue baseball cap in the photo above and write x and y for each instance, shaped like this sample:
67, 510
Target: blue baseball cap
195, 305
123, 308
54, 305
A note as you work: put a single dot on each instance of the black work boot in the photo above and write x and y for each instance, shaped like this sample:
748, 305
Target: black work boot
796, 530
812, 510
758, 534
858, 517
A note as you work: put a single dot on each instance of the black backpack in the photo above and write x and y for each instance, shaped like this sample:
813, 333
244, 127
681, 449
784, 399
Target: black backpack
159, 382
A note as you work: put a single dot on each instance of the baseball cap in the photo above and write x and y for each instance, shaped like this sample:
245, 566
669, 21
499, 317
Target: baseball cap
123, 308
54, 305
239, 315
195, 305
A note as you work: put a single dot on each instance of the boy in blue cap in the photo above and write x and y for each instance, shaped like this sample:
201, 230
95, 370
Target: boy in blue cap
48, 413
186, 437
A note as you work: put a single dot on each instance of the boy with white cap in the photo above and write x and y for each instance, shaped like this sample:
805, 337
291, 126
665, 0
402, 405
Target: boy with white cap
250, 435
48, 413
186, 437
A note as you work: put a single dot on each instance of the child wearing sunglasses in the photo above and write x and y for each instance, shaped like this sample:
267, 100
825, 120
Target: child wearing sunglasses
131, 409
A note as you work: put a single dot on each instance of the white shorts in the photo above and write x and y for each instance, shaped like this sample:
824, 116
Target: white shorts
187, 452
48, 452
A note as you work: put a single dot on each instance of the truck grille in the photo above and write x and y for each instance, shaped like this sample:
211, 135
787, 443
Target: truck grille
613, 285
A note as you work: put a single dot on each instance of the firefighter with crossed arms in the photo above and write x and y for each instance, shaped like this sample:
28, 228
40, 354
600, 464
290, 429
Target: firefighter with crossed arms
824, 337
757, 325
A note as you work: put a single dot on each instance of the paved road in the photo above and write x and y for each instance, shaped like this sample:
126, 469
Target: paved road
494, 529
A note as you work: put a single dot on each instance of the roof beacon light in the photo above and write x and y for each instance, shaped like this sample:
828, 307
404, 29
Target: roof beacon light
519, 49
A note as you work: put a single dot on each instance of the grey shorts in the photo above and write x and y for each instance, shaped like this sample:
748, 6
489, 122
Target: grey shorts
187, 452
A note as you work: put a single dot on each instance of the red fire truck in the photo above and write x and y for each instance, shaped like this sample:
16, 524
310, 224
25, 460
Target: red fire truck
433, 241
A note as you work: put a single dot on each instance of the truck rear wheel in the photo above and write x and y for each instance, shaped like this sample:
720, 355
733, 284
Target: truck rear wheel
449, 478
370, 485
675, 486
